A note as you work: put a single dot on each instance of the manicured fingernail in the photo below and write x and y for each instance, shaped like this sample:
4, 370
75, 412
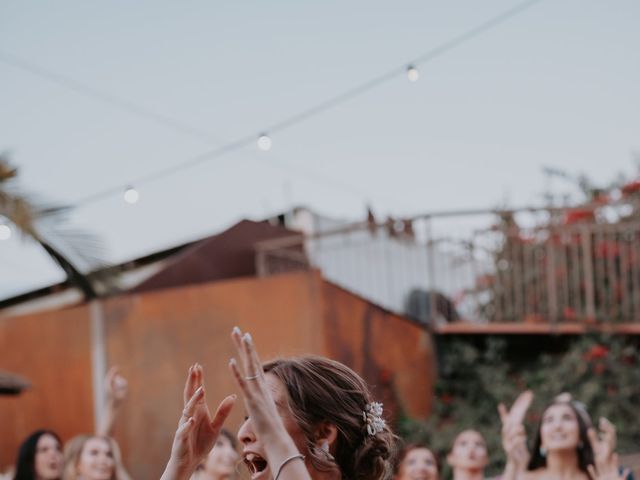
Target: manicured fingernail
236, 330
232, 362
247, 338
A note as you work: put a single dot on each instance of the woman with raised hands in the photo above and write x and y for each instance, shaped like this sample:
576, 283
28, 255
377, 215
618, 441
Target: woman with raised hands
308, 418
566, 446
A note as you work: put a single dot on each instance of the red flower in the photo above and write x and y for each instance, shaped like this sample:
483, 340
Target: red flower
631, 187
596, 352
446, 398
578, 215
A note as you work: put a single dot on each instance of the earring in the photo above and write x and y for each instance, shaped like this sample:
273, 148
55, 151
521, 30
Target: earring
543, 451
325, 449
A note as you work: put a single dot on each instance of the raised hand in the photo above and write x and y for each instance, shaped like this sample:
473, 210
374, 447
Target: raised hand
116, 390
603, 444
514, 440
197, 431
281, 450
250, 377
116, 386
609, 470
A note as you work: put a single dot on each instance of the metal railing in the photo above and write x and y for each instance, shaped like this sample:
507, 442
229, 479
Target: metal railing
478, 267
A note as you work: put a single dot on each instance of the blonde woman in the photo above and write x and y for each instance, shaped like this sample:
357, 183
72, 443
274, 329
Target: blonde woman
88, 457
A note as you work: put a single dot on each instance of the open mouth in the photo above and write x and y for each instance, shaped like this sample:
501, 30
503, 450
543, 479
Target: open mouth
255, 463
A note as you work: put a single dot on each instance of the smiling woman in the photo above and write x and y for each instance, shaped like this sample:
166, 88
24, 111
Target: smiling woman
89, 457
566, 444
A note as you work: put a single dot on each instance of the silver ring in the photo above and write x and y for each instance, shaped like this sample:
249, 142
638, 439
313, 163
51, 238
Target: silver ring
184, 413
252, 377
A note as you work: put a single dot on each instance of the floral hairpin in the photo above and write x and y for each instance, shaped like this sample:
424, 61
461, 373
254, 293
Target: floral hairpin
373, 420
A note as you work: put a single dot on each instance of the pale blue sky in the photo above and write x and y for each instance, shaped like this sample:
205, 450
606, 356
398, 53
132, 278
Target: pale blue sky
556, 85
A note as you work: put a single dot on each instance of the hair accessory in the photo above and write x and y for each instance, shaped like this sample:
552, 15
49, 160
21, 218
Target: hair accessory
373, 420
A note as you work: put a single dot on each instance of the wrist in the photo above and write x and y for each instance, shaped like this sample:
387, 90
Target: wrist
178, 470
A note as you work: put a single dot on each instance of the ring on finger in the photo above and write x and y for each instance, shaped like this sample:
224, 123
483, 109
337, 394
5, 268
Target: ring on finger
252, 377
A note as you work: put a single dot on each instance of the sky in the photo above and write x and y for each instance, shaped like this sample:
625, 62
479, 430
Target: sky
556, 85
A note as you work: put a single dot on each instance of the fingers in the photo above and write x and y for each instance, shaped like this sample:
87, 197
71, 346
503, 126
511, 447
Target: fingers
504, 414
625, 474
237, 337
592, 472
194, 380
190, 407
251, 365
184, 428
593, 439
520, 407
223, 411
608, 431
235, 370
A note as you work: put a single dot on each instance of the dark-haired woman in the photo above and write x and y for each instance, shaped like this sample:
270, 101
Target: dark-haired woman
308, 418
40, 457
565, 446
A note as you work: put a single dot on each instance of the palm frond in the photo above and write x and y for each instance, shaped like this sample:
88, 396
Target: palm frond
77, 252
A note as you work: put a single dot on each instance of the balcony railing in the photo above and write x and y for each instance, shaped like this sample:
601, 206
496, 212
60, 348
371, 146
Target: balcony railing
473, 266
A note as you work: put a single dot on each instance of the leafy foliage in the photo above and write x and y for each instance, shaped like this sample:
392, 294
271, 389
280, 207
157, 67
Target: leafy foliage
601, 371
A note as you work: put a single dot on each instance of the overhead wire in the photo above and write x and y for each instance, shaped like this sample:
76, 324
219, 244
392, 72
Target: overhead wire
248, 139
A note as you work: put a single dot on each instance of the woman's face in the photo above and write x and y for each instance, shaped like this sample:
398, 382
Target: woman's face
469, 451
96, 460
253, 451
559, 429
48, 458
418, 464
222, 460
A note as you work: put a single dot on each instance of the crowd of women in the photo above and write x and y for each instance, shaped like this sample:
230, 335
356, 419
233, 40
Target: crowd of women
314, 418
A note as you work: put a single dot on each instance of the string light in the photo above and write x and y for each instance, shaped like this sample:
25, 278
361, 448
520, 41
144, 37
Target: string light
412, 73
264, 142
131, 195
5, 232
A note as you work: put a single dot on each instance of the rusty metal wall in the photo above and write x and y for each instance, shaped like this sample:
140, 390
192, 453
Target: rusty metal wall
154, 337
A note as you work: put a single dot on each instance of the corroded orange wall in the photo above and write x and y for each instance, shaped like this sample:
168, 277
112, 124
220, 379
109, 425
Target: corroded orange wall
394, 355
53, 351
154, 337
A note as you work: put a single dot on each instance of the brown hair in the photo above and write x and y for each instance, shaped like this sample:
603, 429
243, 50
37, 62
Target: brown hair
73, 450
584, 451
322, 390
403, 451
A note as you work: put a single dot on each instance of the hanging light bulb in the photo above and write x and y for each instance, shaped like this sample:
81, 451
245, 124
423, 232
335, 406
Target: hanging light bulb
131, 195
412, 73
5, 232
264, 142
